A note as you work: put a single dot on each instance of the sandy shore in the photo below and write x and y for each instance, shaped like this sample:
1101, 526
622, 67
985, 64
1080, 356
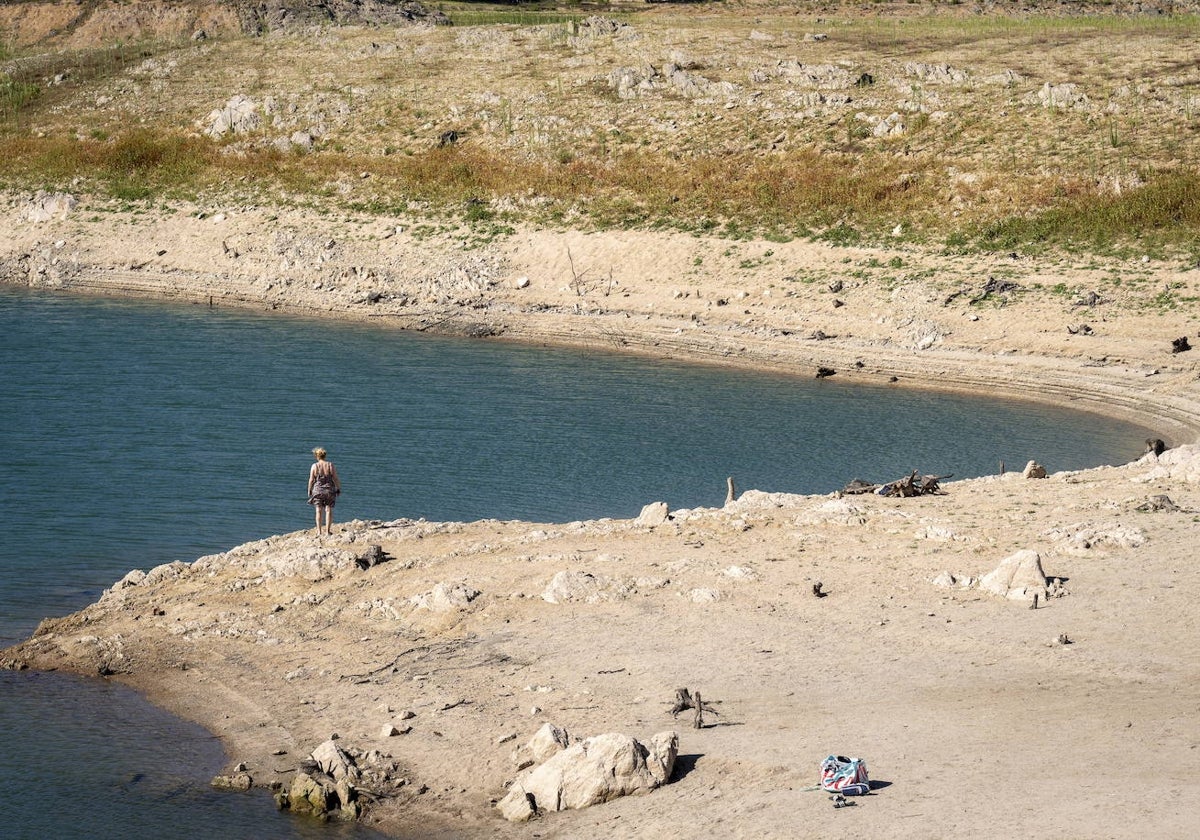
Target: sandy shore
980, 721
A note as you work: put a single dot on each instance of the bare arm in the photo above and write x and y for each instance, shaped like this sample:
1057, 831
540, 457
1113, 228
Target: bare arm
312, 476
337, 482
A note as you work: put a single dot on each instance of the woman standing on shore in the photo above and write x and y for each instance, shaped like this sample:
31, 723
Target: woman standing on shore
323, 488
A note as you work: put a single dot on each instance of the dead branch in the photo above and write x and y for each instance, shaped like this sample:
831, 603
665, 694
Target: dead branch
684, 701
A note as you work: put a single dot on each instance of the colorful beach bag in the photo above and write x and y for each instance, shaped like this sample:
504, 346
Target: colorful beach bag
847, 776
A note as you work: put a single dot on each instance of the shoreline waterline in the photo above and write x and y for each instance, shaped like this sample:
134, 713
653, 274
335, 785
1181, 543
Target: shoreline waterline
1052, 382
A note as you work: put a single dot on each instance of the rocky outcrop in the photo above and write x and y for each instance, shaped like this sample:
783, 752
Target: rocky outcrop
592, 771
275, 15
1018, 577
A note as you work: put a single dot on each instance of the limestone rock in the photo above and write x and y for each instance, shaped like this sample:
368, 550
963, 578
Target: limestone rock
655, 513
1034, 470
1181, 463
46, 206
238, 116
592, 771
544, 744
945, 580
1018, 577
325, 785
1066, 95
333, 760
309, 795
1082, 537
583, 587
446, 597
236, 781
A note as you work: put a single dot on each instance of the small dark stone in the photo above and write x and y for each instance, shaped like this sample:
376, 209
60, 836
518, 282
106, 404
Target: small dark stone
823, 372
1180, 345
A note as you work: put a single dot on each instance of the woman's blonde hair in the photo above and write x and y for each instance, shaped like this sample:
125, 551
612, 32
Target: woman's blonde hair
320, 453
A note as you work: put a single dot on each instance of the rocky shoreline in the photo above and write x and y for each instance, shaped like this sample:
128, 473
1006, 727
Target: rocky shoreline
433, 649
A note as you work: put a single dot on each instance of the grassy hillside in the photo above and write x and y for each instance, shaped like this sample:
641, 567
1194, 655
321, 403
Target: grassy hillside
967, 132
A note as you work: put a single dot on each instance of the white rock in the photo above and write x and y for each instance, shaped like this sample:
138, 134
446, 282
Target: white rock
46, 206
1018, 577
945, 580
446, 597
547, 741
333, 760
582, 587
655, 513
592, 771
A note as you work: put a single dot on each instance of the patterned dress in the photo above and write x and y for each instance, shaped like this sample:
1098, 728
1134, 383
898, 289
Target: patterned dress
324, 490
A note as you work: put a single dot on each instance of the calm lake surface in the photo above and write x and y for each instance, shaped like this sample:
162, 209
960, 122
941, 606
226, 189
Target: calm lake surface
137, 434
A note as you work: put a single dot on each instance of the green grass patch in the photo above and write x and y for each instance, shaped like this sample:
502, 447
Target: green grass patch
1166, 209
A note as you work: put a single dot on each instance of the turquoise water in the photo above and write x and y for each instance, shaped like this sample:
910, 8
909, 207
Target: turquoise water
136, 434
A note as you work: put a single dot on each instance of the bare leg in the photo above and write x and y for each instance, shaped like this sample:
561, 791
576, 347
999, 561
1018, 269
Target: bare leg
329, 520
317, 513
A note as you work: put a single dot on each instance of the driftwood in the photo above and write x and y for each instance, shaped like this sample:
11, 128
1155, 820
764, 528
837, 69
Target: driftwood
685, 700
991, 287
1159, 502
914, 484
994, 287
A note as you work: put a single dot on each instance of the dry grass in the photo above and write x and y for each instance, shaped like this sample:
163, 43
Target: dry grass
545, 136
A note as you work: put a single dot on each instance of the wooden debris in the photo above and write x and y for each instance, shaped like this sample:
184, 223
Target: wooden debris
685, 700
994, 287
1159, 502
912, 485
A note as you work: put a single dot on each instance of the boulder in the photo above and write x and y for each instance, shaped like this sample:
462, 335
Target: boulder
325, 786
446, 597
236, 781
46, 206
1019, 577
309, 795
1034, 470
333, 760
590, 772
240, 115
583, 587
544, 744
655, 513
